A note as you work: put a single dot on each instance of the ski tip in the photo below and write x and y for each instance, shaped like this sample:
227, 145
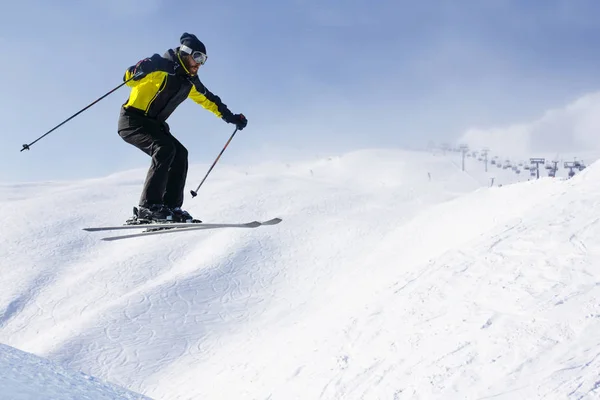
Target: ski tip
255, 224
273, 221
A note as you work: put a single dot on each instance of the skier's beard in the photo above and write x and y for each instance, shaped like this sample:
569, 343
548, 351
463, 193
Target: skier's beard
191, 65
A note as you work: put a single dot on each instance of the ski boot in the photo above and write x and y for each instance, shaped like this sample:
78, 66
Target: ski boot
180, 215
156, 213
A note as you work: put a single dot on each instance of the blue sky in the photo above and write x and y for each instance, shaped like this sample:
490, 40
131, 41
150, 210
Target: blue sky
313, 77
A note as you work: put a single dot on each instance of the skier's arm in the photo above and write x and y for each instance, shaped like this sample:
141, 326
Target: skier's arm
128, 75
148, 66
201, 95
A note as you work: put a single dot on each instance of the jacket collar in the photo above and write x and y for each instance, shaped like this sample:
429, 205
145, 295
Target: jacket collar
173, 55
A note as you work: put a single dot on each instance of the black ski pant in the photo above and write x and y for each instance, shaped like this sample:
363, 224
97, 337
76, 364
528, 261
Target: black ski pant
165, 181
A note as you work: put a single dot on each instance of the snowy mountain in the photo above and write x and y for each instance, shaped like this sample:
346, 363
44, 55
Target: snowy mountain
394, 275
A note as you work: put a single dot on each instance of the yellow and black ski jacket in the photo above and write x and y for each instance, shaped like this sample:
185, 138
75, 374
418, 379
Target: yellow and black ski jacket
158, 94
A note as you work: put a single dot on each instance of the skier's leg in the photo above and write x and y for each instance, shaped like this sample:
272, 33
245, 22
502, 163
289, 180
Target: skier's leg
175, 188
152, 140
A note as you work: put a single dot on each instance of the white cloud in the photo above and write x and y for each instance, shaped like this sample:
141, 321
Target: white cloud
573, 128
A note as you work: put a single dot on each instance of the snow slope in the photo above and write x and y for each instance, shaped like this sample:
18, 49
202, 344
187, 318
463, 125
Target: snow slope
393, 275
24, 376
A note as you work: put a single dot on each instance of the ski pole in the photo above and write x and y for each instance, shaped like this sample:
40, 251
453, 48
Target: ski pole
194, 192
27, 146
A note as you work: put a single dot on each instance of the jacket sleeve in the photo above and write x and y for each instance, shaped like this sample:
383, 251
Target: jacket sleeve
157, 63
201, 95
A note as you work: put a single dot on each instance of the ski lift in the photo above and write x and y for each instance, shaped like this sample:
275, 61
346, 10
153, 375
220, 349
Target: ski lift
532, 172
518, 171
526, 167
493, 162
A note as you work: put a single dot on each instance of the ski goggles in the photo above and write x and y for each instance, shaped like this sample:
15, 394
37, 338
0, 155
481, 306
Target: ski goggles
198, 56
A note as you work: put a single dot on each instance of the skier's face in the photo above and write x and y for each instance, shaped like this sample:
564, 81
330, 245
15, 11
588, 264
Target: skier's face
190, 64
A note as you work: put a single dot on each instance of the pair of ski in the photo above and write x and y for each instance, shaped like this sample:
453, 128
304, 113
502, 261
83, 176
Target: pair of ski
172, 227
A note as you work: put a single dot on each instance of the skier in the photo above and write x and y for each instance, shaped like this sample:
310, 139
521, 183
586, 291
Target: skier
158, 86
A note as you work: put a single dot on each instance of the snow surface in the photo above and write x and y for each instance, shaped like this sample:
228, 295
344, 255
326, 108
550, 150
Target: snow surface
394, 275
24, 376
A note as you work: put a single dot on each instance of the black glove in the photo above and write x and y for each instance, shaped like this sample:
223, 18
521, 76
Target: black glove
143, 68
239, 120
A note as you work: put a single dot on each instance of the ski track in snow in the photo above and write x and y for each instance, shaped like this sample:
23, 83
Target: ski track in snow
377, 284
